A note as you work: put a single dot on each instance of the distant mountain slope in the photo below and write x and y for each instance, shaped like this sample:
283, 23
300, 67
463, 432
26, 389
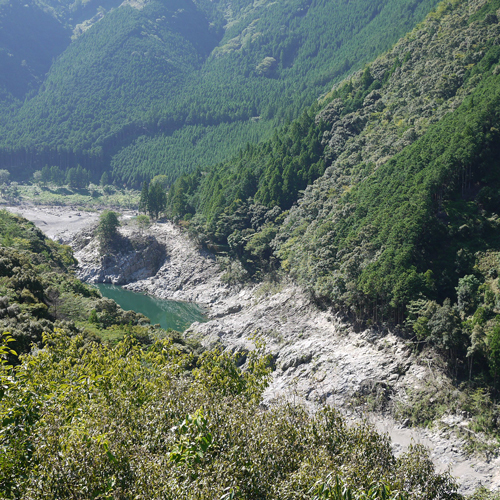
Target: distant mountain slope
30, 39
78, 14
159, 87
112, 75
392, 149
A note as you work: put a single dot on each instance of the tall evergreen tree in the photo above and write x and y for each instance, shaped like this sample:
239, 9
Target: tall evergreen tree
107, 230
56, 175
72, 177
143, 201
157, 200
46, 174
104, 179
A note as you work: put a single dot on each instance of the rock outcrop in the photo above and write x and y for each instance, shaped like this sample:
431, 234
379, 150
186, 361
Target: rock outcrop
321, 359
134, 256
188, 272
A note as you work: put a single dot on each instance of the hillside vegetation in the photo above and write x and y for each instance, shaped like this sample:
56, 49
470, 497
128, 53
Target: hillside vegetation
381, 199
30, 39
161, 87
398, 224
39, 293
81, 420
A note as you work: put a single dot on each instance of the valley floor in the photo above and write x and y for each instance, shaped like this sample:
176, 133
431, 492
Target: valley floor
58, 223
318, 357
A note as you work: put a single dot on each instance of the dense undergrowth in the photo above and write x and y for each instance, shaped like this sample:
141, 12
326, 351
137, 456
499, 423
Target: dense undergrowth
81, 420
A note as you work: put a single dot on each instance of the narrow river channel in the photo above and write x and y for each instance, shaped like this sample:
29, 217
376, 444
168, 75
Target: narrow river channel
168, 313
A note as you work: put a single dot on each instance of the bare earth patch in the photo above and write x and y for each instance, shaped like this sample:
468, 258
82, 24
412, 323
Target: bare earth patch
60, 223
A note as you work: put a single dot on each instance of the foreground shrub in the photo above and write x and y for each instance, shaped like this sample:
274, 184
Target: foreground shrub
82, 420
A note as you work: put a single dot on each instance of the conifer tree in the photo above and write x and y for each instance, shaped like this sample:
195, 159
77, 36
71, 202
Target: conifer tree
143, 201
107, 230
157, 200
104, 179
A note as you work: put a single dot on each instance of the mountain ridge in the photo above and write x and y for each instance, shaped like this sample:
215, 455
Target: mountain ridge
382, 200
106, 112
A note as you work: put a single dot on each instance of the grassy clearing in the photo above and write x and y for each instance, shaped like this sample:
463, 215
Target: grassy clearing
89, 198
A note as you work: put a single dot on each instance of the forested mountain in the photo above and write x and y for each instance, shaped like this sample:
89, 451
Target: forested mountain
383, 199
152, 87
30, 39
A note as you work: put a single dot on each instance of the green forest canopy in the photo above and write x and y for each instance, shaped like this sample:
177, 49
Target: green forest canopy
382, 200
165, 88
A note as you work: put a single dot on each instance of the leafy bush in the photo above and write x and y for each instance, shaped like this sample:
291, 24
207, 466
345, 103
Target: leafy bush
82, 420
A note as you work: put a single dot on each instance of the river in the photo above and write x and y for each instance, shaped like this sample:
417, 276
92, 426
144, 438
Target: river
168, 313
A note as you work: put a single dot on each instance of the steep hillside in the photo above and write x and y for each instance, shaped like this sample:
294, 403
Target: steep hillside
409, 169
39, 293
401, 224
137, 418
30, 39
159, 87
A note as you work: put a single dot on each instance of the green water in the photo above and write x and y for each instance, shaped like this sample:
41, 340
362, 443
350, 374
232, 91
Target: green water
168, 313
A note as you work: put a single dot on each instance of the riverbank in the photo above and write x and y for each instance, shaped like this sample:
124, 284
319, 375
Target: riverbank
319, 359
58, 223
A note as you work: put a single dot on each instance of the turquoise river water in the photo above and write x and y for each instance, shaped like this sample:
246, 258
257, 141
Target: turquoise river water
168, 313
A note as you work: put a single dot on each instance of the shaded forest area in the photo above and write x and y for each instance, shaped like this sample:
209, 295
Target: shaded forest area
168, 87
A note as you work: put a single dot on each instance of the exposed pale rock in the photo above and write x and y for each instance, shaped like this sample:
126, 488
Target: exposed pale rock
133, 257
188, 273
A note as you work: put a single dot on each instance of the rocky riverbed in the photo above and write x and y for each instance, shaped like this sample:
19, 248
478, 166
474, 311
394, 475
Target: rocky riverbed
319, 358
